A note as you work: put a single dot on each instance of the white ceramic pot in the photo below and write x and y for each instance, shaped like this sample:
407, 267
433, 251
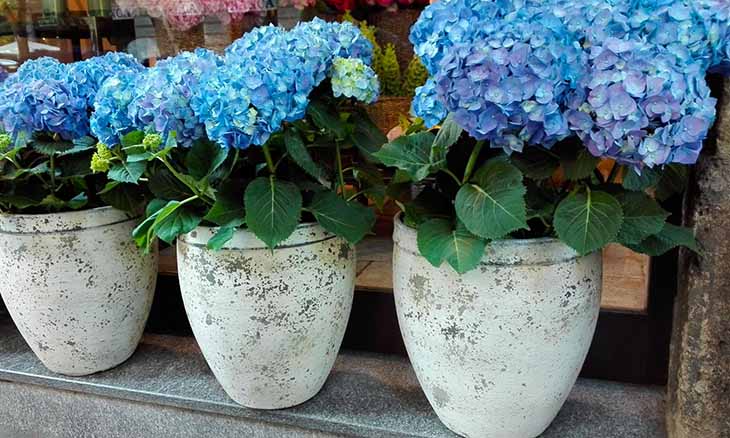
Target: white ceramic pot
498, 349
76, 286
269, 324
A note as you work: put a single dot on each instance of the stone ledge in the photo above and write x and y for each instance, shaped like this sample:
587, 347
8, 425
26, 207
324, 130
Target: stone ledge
367, 395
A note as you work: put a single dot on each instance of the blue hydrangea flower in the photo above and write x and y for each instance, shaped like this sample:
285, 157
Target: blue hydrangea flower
110, 119
86, 77
162, 95
43, 106
508, 87
352, 78
427, 104
642, 105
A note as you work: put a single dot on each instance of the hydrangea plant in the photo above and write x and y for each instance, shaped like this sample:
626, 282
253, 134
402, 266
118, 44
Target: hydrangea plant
566, 119
45, 146
265, 137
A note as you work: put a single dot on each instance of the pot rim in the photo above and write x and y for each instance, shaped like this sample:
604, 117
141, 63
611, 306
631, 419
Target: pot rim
67, 221
308, 233
524, 252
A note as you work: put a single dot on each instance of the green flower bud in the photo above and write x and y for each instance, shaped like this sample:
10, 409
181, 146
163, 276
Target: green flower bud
152, 141
5, 141
101, 160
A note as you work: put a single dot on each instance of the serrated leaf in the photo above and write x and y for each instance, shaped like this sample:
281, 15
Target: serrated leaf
222, 236
366, 136
131, 139
349, 220
412, 154
228, 207
204, 158
299, 153
82, 144
178, 221
429, 203
272, 209
492, 205
326, 119
125, 197
447, 136
77, 165
77, 202
643, 217
671, 236
51, 147
535, 163
127, 172
157, 210
673, 181
164, 185
640, 182
438, 240
588, 221
580, 165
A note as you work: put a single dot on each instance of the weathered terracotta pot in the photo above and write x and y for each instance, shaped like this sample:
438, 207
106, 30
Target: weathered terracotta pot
498, 349
269, 324
77, 287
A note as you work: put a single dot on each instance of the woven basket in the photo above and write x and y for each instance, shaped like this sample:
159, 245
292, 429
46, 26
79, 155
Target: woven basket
386, 112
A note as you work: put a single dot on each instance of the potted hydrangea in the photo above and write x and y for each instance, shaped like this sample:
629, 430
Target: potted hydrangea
79, 291
252, 162
529, 100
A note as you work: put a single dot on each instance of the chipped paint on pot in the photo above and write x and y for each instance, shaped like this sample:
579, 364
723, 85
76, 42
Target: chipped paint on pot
77, 287
269, 324
498, 349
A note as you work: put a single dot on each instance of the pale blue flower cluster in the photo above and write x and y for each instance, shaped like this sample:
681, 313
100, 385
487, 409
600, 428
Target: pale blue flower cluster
268, 76
110, 119
86, 77
626, 76
163, 94
352, 78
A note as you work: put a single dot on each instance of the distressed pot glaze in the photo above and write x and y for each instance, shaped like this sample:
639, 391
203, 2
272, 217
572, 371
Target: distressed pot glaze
77, 287
269, 324
498, 349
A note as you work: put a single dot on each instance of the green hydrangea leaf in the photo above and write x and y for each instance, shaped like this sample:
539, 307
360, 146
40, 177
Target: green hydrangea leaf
349, 220
299, 153
447, 136
411, 153
125, 197
222, 236
179, 220
492, 205
643, 217
638, 183
204, 158
132, 139
326, 119
671, 236
228, 207
673, 180
579, 166
127, 172
588, 221
536, 163
272, 209
366, 136
438, 240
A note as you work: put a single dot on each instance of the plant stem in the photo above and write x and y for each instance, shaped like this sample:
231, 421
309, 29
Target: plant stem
339, 169
269, 161
452, 175
233, 165
472, 161
52, 166
179, 177
355, 195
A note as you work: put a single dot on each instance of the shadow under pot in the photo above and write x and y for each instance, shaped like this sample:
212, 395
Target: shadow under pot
78, 289
269, 323
497, 349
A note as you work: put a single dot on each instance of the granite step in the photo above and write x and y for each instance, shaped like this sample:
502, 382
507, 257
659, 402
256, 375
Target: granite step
167, 390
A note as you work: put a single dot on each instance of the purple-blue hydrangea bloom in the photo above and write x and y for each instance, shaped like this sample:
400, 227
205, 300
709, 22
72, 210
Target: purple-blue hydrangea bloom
642, 105
110, 119
42, 106
507, 88
162, 95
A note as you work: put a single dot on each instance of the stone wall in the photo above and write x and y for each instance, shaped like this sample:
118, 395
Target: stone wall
699, 375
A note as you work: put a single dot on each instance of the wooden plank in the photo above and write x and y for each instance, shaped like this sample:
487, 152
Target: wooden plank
625, 273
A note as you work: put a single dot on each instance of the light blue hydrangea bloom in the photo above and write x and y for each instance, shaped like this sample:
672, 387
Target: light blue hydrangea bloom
427, 104
86, 77
352, 78
162, 95
110, 119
